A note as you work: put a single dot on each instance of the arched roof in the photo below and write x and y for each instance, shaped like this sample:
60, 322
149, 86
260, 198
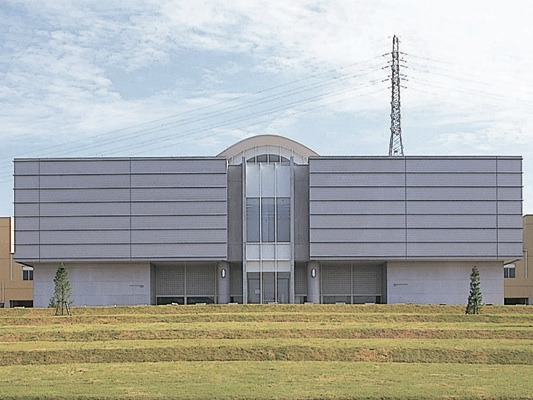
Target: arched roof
267, 144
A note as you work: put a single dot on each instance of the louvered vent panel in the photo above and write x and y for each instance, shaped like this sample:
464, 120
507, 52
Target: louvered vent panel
201, 280
236, 279
367, 280
300, 279
336, 279
170, 281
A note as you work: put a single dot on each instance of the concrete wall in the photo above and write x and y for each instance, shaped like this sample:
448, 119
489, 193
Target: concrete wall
415, 208
96, 284
120, 209
434, 282
235, 212
301, 213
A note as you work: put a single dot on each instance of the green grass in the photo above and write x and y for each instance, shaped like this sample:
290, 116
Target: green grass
267, 380
267, 352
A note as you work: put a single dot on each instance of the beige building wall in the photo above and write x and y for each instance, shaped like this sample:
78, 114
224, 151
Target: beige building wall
14, 290
519, 290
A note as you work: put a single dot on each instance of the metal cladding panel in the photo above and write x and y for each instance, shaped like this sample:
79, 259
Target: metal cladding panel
169, 236
84, 181
140, 222
511, 164
360, 193
26, 209
451, 180
84, 209
509, 221
510, 179
358, 235
510, 250
84, 167
426, 207
66, 195
182, 194
357, 221
355, 164
26, 224
356, 179
202, 165
27, 196
448, 194
180, 251
199, 208
509, 193
451, 235
357, 251
435, 221
452, 250
26, 167
26, 237
451, 165
74, 223
451, 207
26, 182
356, 207
121, 208
510, 235
26, 252
85, 237
510, 207
84, 251
184, 180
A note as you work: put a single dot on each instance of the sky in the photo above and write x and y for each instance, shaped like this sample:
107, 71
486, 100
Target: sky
135, 78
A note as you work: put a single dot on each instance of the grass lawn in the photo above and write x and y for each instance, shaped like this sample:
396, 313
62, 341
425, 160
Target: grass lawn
267, 352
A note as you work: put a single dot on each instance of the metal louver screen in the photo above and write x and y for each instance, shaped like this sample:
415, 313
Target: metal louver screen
367, 280
201, 280
170, 280
235, 279
336, 279
300, 279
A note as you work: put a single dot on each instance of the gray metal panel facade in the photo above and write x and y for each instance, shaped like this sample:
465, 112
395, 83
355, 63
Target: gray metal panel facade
120, 209
415, 207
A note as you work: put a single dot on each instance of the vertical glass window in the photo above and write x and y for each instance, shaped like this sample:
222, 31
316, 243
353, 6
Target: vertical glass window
252, 220
268, 219
284, 219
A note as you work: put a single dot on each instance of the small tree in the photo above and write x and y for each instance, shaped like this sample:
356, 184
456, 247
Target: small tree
61, 300
475, 300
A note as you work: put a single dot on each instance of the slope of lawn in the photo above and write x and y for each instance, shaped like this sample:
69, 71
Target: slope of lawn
267, 352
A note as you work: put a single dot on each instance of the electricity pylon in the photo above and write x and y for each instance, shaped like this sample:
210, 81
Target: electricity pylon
395, 145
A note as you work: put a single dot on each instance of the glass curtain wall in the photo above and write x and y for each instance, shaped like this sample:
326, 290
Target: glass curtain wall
268, 231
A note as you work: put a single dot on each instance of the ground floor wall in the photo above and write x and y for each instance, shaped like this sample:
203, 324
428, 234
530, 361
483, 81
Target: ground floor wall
97, 284
418, 282
445, 282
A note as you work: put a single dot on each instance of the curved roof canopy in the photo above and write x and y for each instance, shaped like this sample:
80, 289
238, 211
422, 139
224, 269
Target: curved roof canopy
254, 147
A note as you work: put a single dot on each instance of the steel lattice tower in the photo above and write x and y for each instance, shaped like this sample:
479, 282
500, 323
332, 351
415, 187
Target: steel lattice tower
395, 145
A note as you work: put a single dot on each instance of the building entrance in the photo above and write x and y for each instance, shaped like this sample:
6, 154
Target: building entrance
268, 287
